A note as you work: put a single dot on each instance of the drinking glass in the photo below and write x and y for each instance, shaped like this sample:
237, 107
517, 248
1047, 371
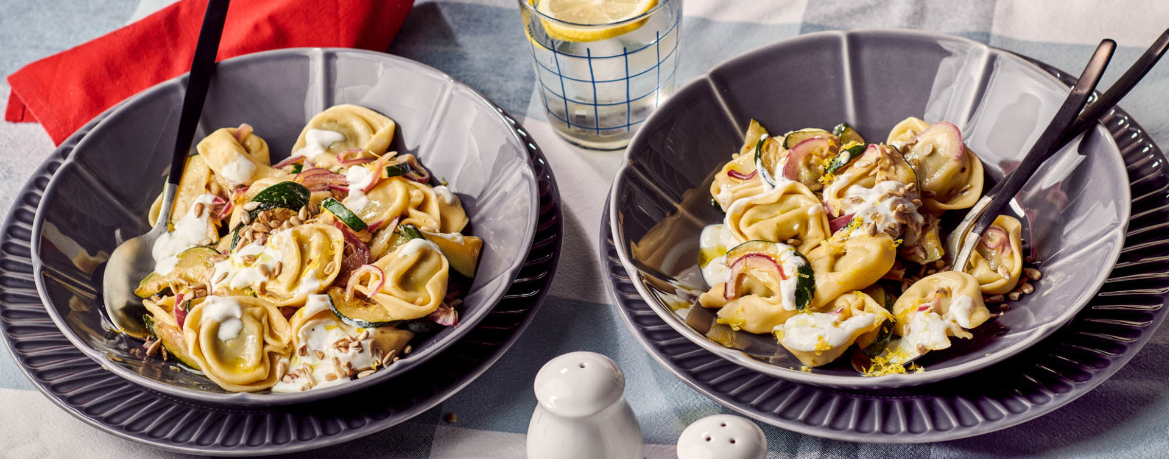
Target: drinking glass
599, 83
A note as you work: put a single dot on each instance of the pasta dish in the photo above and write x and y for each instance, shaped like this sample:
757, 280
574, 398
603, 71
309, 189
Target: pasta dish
829, 241
317, 270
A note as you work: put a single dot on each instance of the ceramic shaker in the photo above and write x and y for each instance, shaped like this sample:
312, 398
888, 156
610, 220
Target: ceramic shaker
582, 413
722, 436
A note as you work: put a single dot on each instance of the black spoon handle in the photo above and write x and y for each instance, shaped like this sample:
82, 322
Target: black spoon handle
1052, 135
202, 67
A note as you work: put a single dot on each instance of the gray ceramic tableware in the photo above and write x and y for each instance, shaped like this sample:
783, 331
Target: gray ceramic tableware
1075, 209
101, 194
86, 390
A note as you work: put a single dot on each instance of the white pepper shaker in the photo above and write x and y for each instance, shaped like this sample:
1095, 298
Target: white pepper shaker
722, 436
582, 413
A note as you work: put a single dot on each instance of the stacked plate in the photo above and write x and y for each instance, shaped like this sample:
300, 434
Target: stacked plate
98, 186
1049, 348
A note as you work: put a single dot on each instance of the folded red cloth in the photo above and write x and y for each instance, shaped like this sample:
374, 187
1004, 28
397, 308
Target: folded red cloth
66, 90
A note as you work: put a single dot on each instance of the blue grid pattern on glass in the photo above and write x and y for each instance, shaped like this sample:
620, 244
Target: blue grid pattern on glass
573, 86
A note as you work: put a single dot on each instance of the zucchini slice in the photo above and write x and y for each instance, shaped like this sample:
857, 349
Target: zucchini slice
402, 235
344, 214
885, 333
766, 159
194, 266
397, 170
287, 195
791, 139
462, 252
357, 312
847, 134
845, 157
283, 195
172, 338
805, 276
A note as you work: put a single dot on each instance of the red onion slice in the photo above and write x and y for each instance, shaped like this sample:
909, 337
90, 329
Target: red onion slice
751, 260
355, 280
288, 162
355, 162
321, 179
791, 169
180, 313
242, 132
740, 176
836, 224
445, 316
997, 239
350, 154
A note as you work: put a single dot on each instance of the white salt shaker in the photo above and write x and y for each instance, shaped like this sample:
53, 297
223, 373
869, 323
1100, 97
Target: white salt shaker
722, 436
581, 412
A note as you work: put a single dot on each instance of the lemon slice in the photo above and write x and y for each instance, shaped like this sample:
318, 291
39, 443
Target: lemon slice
592, 13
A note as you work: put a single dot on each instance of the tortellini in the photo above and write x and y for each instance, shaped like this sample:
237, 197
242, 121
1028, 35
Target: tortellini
790, 211
415, 203
851, 264
415, 282
288, 267
878, 164
236, 163
905, 131
196, 176
342, 128
997, 260
936, 308
818, 338
738, 179
950, 174
238, 341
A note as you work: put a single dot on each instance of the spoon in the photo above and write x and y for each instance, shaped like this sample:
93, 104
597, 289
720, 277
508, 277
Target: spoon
132, 261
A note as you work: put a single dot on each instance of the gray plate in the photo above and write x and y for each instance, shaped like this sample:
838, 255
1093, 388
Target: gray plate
89, 392
872, 79
102, 191
1097, 342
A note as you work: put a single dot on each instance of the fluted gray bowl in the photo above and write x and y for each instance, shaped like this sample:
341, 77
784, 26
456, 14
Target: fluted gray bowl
1075, 209
102, 193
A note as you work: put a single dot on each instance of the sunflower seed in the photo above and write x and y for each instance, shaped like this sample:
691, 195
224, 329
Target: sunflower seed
248, 259
364, 374
199, 207
287, 379
281, 368
153, 348
319, 355
263, 217
1014, 296
1027, 288
407, 349
246, 218
251, 206
917, 202
330, 267
303, 351
386, 359
220, 277
994, 299
265, 271
1033, 273
294, 221
277, 269
363, 335
302, 213
331, 377
336, 361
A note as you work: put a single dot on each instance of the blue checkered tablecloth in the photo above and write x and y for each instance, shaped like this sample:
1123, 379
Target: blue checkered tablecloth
1127, 416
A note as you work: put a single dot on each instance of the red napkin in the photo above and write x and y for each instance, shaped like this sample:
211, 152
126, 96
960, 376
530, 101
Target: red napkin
66, 90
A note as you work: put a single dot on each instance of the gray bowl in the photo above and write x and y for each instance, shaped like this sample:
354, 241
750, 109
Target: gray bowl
102, 193
872, 79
